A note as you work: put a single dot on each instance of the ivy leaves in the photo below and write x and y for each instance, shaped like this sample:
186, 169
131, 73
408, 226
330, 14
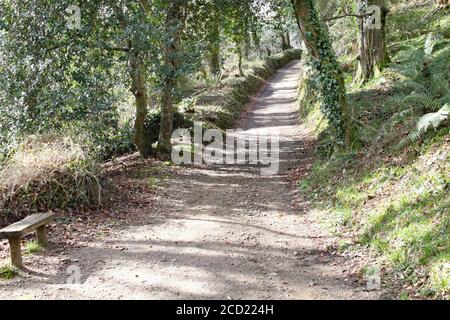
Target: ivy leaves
323, 60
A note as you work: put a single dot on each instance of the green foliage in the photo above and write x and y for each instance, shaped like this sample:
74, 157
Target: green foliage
152, 125
61, 77
33, 247
399, 211
392, 195
77, 79
329, 77
426, 122
8, 272
416, 85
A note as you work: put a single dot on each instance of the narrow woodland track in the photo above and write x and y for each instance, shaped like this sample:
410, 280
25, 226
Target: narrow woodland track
222, 232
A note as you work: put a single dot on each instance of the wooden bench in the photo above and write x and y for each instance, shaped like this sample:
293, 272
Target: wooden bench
15, 231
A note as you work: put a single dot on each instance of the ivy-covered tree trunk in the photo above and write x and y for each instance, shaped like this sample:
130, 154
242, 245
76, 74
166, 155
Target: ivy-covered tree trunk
332, 86
214, 46
373, 55
240, 60
172, 46
215, 60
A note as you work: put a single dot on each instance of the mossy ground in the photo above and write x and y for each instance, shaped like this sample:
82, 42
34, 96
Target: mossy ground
389, 197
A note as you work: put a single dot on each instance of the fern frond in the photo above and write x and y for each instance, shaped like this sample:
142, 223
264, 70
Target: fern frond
425, 123
434, 119
423, 100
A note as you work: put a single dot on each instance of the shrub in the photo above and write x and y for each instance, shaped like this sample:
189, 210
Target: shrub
8, 272
153, 120
47, 172
100, 141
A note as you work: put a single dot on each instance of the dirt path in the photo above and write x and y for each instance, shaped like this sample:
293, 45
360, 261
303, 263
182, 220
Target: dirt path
223, 232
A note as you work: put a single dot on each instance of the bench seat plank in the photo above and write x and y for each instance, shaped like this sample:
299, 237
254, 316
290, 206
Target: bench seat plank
28, 224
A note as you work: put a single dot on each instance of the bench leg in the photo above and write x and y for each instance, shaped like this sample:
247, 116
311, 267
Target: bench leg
16, 253
42, 236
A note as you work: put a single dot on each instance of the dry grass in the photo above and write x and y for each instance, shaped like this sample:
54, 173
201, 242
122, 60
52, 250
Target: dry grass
47, 172
37, 157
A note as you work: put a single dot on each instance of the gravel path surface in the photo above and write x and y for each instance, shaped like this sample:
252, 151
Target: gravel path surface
219, 232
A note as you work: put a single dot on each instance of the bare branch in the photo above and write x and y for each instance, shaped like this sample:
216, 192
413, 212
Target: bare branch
359, 16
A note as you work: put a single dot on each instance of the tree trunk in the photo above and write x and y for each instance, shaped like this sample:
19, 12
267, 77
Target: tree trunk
284, 44
172, 45
240, 58
214, 46
139, 91
288, 40
285, 40
373, 55
256, 40
215, 60
332, 85
247, 46
138, 88
165, 133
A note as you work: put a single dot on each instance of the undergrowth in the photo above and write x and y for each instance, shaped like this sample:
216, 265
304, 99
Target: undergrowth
33, 247
8, 272
221, 106
47, 172
391, 195
60, 170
